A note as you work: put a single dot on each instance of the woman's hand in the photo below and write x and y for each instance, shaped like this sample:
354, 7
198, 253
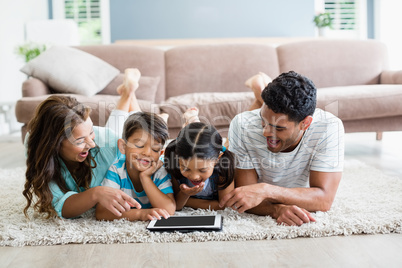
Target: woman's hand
115, 200
153, 213
190, 191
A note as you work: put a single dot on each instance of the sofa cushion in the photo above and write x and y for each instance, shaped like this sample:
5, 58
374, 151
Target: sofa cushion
330, 63
70, 70
216, 108
361, 102
101, 106
216, 68
146, 90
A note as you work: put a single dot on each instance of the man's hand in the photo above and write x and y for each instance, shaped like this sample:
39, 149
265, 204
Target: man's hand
245, 197
292, 215
190, 191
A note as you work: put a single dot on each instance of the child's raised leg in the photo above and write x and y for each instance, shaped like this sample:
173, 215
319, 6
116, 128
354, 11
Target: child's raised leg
257, 83
127, 102
190, 116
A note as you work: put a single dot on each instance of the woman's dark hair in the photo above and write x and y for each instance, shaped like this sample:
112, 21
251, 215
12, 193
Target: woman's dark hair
291, 94
204, 142
150, 122
54, 121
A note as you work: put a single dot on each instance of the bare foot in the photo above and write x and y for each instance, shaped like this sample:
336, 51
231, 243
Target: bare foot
164, 116
130, 82
190, 116
257, 83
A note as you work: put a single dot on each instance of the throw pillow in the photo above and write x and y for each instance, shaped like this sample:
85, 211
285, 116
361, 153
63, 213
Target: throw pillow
70, 70
146, 91
216, 108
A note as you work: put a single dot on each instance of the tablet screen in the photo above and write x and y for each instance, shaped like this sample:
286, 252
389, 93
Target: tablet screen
186, 221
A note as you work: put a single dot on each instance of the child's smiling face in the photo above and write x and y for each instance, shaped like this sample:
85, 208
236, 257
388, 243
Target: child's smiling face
141, 150
197, 170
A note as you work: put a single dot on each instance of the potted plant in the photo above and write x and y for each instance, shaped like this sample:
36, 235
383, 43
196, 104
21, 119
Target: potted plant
30, 50
323, 21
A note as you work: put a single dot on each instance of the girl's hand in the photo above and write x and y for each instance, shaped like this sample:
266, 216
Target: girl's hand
115, 200
190, 191
153, 213
151, 169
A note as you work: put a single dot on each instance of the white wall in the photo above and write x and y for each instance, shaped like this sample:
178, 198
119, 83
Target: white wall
388, 29
13, 15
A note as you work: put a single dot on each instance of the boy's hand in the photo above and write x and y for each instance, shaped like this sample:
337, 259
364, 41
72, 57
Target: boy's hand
154, 213
151, 169
190, 191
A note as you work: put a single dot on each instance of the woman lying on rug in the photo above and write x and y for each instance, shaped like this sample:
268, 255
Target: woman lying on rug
138, 171
202, 169
67, 157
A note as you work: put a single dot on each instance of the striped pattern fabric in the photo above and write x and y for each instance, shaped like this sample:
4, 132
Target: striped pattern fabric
117, 178
321, 149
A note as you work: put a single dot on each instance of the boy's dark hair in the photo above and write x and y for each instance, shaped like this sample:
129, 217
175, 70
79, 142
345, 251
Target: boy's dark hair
204, 142
150, 122
291, 94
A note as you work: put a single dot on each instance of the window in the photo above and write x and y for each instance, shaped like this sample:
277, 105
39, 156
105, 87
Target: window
91, 16
349, 17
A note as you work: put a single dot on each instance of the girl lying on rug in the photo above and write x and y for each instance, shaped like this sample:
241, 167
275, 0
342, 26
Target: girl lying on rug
202, 169
67, 157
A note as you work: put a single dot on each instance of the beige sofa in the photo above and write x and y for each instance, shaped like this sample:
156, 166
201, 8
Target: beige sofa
352, 78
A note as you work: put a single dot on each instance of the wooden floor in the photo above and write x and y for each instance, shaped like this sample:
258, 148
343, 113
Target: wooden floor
338, 251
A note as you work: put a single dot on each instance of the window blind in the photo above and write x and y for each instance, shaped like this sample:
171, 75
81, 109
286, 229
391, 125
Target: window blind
87, 14
344, 14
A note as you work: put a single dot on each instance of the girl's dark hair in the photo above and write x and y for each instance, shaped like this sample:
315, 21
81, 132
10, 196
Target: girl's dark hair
292, 94
201, 141
150, 122
54, 121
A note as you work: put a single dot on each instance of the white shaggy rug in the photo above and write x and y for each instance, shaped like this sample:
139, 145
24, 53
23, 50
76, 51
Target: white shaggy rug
367, 202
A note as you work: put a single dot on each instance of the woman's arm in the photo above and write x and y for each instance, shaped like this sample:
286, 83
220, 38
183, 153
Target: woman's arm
132, 215
114, 200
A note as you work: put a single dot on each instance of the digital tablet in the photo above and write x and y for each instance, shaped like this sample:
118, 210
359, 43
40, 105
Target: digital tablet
187, 223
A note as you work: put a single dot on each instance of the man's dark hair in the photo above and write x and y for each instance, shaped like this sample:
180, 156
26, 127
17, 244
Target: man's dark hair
292, 94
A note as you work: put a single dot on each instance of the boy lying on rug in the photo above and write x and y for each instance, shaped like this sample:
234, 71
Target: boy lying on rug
137, 172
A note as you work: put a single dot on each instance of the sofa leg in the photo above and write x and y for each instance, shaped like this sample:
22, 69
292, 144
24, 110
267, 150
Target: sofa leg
379, 136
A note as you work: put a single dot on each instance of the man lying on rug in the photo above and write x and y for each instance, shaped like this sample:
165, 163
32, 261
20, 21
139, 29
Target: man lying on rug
289, 154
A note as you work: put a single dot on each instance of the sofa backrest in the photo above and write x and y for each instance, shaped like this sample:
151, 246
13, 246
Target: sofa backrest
150, 61
216, 68
331, 63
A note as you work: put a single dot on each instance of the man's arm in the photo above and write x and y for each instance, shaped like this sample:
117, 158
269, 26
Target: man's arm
318, 197
249, 193
256, 198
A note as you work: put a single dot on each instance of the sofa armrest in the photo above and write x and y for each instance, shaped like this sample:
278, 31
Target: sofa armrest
33, 87
391, 77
